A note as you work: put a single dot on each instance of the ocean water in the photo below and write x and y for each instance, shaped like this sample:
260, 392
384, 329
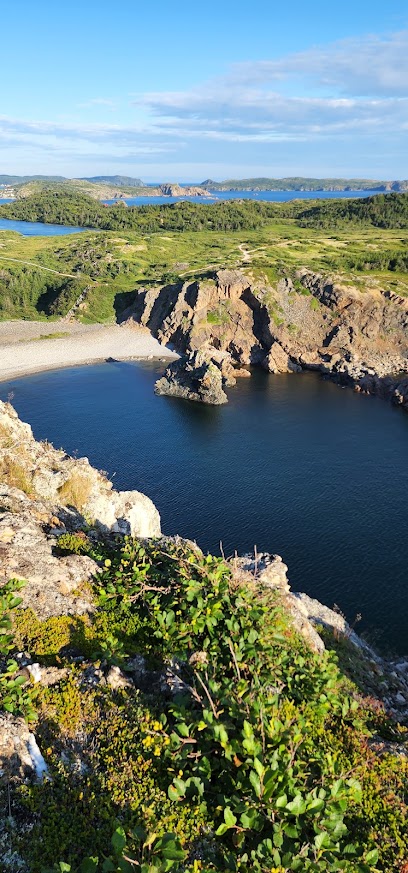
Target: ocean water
293, 464
272, 196
37, 228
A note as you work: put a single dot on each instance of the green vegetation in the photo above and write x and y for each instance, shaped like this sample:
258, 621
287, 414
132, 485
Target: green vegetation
79, 187
65, 206
383, 210
14, 697
259, 762
191, 240
76, 209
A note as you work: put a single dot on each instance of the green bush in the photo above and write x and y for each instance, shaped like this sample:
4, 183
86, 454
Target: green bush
260, 762
14, 697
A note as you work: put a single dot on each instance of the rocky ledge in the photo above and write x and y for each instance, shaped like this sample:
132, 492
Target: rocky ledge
52, 480
174, 190
305, 322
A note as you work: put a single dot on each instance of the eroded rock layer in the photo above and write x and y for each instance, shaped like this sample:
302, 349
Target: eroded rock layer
308, 322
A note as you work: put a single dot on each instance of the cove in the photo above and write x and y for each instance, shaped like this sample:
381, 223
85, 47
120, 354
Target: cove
293, 464
38, 228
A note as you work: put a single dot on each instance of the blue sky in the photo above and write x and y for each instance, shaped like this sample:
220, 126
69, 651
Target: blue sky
186, 91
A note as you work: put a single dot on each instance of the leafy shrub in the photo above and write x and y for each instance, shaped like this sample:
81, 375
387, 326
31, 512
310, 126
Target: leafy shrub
260, 762
73, 544
14, 697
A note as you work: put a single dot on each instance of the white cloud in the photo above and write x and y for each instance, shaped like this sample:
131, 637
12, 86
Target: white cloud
350, 87
99, 102
374, 65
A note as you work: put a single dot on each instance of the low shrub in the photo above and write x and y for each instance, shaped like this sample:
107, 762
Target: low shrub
14, 697
13, 473
260, 761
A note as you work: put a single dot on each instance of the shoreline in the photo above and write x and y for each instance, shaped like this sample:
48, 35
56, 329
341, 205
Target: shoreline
27, 348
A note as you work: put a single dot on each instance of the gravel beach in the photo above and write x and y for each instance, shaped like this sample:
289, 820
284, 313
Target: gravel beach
30, 346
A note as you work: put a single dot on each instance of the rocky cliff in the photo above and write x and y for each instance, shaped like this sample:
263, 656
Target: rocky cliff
44, 493
309, 321
169, 189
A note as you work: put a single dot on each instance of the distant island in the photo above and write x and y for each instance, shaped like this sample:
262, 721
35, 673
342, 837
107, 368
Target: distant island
300, 183
127, 181
97, 187
124, 187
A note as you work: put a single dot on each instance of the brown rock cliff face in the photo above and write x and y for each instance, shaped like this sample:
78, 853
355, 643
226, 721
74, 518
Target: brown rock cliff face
311, 322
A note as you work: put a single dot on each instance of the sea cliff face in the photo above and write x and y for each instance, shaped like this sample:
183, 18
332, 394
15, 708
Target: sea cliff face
309, 321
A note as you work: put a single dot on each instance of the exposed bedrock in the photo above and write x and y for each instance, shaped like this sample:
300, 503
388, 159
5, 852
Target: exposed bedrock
52, 477
308, 322
194, 377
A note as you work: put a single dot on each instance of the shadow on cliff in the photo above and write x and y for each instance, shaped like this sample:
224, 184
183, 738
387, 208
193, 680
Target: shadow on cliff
261, 326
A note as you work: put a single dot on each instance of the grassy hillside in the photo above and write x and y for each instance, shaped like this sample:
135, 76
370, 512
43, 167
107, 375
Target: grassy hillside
89, 188
122, 181
113, 264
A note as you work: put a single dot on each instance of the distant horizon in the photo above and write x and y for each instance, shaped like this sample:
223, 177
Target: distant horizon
168, 180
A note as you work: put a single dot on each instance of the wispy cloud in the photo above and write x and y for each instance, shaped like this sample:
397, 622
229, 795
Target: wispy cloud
349, 87
96, 102
373, 66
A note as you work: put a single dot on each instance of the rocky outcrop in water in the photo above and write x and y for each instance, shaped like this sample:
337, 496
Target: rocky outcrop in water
306, 322
194, 377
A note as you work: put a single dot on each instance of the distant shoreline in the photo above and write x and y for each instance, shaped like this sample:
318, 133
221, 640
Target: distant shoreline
27, 348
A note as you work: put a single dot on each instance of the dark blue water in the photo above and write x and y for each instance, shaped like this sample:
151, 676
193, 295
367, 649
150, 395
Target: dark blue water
274, 196
293, 464
37, 228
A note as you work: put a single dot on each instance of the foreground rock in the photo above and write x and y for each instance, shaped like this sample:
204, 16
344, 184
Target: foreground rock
53, 477
194, 377
307, 322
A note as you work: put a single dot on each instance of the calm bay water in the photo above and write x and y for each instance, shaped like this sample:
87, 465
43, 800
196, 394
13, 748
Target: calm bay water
293, 464
272, 196
37, 228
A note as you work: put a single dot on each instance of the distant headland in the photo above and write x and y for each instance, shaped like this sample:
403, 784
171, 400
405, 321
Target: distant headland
125, 187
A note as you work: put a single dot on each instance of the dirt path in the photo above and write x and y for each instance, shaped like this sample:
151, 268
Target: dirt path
39, 267
246, 255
